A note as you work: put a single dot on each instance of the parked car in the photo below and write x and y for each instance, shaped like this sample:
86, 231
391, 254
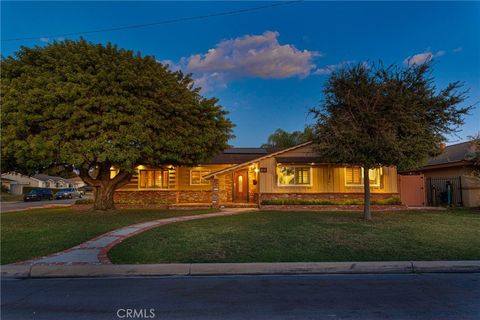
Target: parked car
68, 193
85, 189
38, 195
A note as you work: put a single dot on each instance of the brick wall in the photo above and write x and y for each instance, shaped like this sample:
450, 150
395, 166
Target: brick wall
164, 196
147, 196
195, 196
324, 196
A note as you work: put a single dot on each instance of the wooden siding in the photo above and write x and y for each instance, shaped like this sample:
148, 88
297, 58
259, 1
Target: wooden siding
326, 178
178, 178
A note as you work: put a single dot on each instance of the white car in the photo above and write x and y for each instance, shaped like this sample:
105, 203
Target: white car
68, 193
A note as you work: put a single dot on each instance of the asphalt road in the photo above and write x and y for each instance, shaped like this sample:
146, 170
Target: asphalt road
13, 206
407, 296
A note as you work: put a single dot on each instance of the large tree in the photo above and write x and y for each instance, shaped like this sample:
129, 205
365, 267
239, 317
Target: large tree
284, 139
94, 107
381, 116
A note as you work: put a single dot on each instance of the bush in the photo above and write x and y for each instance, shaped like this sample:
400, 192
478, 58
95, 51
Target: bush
84, 201
386, 201
142, 201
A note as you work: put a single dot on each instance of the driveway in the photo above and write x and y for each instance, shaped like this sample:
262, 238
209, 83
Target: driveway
387, 296
15, 206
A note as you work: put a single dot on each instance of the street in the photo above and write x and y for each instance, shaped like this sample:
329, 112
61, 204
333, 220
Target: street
402, 296
14, 206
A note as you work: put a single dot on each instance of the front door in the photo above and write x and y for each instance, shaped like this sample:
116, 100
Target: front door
240, 186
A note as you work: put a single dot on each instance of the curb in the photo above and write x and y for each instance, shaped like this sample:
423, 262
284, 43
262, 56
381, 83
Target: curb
208, 269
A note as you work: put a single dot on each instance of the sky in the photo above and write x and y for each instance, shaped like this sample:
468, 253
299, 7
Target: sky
267, 67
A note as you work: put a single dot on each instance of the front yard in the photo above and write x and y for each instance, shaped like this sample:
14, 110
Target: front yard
309, 236
34, 233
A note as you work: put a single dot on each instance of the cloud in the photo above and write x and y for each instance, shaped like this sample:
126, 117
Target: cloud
260, 56
332, 67
44, 39
423, 57
456, 50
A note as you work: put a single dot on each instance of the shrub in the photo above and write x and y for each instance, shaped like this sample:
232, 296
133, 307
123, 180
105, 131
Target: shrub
386, 201
142, 201
84, 201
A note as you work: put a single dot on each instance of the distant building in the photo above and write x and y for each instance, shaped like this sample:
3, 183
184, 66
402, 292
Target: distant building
17, 182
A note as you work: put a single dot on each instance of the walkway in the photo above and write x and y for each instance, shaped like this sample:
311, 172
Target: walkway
95, 251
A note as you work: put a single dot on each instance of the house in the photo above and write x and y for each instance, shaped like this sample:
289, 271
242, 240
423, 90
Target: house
37, 181
454, 166
251, 175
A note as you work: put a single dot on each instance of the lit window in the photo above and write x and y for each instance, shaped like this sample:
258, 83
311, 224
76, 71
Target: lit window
354, 176
291, 176
153, 179
196, 177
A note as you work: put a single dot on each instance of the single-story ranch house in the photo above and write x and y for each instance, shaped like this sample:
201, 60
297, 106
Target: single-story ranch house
251, 175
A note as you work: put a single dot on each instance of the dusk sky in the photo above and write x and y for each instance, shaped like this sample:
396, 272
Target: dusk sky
267, 67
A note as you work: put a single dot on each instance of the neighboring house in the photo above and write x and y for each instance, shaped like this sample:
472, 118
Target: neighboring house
37, 181
77, 182
250, 175
55, 182
454, 165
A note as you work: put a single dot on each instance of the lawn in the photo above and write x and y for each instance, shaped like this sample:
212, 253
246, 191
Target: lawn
34, 233
309, 236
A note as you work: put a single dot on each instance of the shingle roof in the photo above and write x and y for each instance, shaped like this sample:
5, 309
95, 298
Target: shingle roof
45, 177
453, 153
239, 155
299, 160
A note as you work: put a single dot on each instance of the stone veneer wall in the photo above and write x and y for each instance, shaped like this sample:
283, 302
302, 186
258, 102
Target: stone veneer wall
323, 196
226, 189
194, 196
164, 196
159, 196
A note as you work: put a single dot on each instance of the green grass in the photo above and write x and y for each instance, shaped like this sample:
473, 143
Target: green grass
34, 233
309, 236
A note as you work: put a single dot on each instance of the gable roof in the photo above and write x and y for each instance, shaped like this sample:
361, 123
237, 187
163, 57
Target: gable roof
249, 162
239, 155
453, 154
45, 177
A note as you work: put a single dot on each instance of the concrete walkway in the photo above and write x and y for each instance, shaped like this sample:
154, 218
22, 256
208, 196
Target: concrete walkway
94, 251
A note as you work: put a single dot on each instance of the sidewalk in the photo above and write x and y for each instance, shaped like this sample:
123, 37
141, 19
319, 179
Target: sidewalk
209, 269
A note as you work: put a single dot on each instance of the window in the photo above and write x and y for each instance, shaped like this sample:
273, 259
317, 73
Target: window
153, 179
354, 176
196, 177
293, 176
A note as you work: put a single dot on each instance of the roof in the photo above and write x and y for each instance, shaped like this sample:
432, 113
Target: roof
299, 160
453, 153
45, 177
246, 163
239, 155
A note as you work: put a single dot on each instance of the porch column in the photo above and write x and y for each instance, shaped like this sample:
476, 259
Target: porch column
215, 193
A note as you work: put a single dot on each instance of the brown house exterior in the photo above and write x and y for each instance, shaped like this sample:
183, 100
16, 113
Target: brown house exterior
456, 161
251, 175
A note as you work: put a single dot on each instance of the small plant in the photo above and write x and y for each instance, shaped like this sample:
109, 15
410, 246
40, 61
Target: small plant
386, 201
84, 201
142, 201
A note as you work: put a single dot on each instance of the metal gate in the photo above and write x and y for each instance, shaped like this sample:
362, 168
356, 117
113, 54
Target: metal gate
444, 191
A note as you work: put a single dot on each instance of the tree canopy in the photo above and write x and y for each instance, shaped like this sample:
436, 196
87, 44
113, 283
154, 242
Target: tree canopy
381, 116
95, 106
283, 139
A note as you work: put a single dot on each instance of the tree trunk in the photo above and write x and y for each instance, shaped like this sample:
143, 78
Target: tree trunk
366, 195
104, 197
104, 187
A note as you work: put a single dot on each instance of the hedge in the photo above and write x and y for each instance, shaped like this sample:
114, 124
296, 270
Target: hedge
386, 201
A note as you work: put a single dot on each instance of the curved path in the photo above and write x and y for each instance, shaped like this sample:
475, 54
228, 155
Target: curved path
95, 250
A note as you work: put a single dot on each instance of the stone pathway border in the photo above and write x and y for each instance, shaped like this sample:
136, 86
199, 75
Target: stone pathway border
94, 251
